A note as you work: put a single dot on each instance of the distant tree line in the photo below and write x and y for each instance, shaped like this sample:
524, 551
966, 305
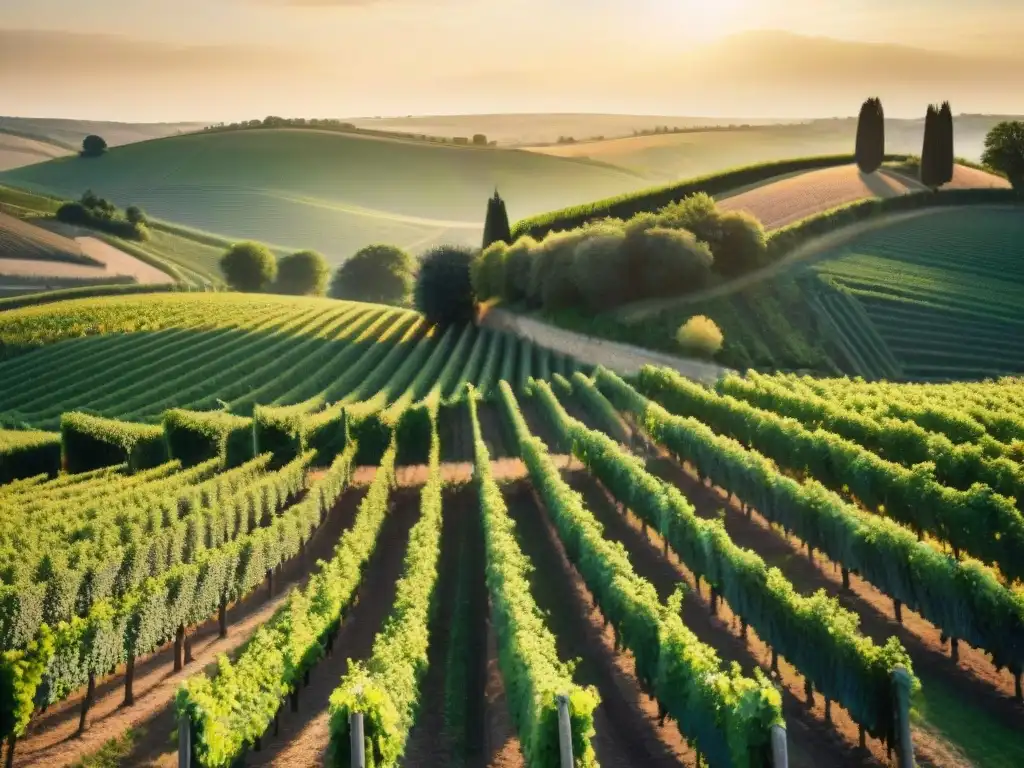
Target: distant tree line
333, 124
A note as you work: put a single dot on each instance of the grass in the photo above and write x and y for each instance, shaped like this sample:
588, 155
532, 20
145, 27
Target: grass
113, 751
328, 191
983, 741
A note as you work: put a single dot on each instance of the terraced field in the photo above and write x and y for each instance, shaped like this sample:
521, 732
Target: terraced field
328, 191
375, 527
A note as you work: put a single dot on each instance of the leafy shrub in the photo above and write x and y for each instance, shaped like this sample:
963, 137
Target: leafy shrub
485, 273
669, 262
249, 267
91, 442
97, 213
700, 336
302, 274
382, 274
93, 146
515, 272
742, 244
1004, 151
135, 215
444, 292
28, 453
194, 437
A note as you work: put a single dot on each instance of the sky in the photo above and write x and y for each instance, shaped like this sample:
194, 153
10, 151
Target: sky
158, 60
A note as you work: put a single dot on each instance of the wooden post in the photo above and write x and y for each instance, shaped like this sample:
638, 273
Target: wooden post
1018, 694
846, 578
185, 743
809, 691
901, 702
179, 645
356, 740
743, 628
270, 582
129, 681
897, 608
222, 616
714, 601
565, 732
775, 660
954, 649
780, 751
90, 693
188, 648
810, 552
828, 711
862, 737
12, 741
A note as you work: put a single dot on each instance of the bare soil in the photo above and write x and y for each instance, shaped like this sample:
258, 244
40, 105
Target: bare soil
303, 737
626, 721
51, 739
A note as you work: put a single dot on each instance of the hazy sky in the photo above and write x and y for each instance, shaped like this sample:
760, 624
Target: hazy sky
233, 59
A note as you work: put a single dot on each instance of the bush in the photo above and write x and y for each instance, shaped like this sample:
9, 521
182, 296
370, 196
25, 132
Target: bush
444, 292
135, 215
515, 269
194, 437
668, 262
302, 274
91, 442
97, 213
28, 453
249, 267
485, 273
700, 336
93, 146
742, 245
1004, 151
496, 222
382, 274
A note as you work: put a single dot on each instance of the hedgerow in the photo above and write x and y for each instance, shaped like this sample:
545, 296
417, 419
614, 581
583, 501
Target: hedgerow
28, 453
90, 442
197, 436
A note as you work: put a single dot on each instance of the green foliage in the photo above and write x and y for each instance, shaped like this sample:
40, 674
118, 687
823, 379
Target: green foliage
386, 688
933, 173
64, 294
229, 712
21, 672
870, 142
630, 204
444, 292
197, 436
377, 273
302, 274
963, 599
1004, 151
496, 227
93, 146
945, 142
534, 676
815, 634
487, 269
723, 714
97, 213
249, 267
700, 336
27, 453
279, 431
91, 442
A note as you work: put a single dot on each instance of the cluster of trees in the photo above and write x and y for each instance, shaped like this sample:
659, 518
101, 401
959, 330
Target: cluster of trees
333, 124
870, 147
610, 262
937, 153
98, 213
252, 267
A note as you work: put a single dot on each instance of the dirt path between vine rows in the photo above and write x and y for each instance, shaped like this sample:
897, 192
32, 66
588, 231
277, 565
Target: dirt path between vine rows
626, 721
51, 739
303, 738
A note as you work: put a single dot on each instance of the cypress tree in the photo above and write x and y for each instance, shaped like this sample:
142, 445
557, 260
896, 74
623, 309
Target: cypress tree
496, 226
931, 168
862, 150
879, 133
946, 153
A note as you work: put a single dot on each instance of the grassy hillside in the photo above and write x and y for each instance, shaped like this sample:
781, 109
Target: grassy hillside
69, 133
17, 150
328, 191
678, 155
935, 295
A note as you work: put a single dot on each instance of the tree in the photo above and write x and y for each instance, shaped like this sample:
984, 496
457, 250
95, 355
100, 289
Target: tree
946, 152
444, 292
700, 336
135, 215
1004, 151
931, 151
249, 267
379, 273
93, 146
496, 224
302, 274
870, 146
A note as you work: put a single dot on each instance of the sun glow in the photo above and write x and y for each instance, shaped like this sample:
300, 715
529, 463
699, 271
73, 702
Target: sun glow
711, 19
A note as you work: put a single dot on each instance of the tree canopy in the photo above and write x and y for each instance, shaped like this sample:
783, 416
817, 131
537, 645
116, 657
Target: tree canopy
249, 267
444, 292
379, 273
1004, 151
496, 228
870, 146
93, 146
302, 274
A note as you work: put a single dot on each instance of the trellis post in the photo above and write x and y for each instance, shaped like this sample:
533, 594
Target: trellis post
355, 725
780, 751
901, 710
185, 742
564, 731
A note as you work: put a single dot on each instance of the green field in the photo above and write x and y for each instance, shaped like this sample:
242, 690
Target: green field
327, 191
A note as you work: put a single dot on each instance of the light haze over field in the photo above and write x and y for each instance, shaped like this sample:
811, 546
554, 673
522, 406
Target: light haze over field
238, 59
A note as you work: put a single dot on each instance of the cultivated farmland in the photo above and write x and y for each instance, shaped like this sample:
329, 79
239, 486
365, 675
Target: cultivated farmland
355, 514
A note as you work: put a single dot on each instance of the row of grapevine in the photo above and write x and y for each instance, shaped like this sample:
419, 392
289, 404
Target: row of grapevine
903, 442
60, 661
534, 675
230, 712
817, 635
727, 717
28, 453
978, 521
947, 409
386, 690
963, 599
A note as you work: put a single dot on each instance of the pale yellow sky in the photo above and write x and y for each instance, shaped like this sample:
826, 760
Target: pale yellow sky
234, 59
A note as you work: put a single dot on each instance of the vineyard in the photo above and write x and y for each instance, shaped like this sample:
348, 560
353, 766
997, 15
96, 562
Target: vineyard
274, 531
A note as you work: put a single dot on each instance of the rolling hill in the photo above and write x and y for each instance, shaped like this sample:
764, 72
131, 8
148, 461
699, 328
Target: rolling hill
18, 150
328, 191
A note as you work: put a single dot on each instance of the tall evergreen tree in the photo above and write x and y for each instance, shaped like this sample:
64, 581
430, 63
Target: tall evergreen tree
946, 152
931, 150
496, 225
879, 133
870, 148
